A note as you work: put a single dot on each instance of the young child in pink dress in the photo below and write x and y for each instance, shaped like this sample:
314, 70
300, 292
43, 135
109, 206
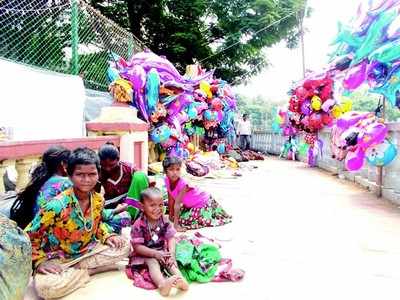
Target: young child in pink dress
189, 207
153, 241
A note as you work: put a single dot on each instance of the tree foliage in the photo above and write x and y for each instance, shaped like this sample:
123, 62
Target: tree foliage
188, 31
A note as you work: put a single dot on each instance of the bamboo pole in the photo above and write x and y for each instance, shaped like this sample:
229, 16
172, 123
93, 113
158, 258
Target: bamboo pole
380, 168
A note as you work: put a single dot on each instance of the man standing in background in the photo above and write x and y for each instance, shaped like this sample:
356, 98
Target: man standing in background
244, 131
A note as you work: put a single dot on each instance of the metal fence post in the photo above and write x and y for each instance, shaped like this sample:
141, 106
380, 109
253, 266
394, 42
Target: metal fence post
75, 37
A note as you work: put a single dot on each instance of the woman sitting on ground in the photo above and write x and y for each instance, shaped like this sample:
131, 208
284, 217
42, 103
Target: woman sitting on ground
48, 179
69, 240
120, 180
189, 207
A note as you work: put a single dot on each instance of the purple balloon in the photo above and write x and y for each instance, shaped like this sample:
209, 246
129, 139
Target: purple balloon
306, 107
377, 74
356, 76
355, 160
349, 119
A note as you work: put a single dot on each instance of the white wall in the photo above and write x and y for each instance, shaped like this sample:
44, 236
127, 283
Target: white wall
39, 104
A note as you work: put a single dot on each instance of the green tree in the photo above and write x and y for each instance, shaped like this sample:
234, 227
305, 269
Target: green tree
259, 110
188, 31
365, 101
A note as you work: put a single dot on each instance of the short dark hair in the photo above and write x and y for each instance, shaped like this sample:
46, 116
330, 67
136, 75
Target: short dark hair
82, 156
149, 193
170, 161
108, 151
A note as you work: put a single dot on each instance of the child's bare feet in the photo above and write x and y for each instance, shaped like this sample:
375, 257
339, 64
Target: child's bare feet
168, 284
182, 284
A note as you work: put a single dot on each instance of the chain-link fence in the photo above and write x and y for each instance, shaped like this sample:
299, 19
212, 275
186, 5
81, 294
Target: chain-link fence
66, 36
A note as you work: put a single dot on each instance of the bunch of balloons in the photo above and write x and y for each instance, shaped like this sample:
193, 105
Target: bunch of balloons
368, 50
176, 106
359, 136
313, 105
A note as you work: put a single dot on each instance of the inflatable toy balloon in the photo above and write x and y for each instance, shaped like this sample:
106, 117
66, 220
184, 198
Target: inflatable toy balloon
376, 74
306, 108
160, 134
336, 111
316, 103
303, 149
210, 115
216, 104
160, 112
327, 105
220, 116
355, 160
382, 154
206, 88
301, 93
350, 118
210, 124
316, 121
374, 133
121, 90
112, 74
191, 148
189, 129
152, 90
356, 76
169, 143
191, 112
346, 104
137, 76
200, 95
327, 119
179, 151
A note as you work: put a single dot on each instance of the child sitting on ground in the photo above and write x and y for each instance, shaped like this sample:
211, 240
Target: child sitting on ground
189, 207
153, 243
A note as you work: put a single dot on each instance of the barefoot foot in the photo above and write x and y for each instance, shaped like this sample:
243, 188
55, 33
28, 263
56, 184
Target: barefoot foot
168, 284
182, 284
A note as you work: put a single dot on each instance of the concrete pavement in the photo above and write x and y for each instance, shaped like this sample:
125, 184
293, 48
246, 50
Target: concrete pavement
299, 233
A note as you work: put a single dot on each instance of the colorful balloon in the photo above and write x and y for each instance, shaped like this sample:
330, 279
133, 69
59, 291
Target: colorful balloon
382, 154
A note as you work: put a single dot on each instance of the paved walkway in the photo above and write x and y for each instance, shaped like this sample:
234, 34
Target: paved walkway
299, 233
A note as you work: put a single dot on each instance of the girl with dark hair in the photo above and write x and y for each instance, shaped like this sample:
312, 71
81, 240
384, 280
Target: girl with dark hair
48, 179
69, 240
189, 207
121, 182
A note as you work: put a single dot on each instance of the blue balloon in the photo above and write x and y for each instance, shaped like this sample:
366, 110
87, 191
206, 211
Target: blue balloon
160, 134
381, 154
112, 74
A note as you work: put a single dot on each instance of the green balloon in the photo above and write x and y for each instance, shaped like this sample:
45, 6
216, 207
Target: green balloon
303, 149
387, 53
374, 36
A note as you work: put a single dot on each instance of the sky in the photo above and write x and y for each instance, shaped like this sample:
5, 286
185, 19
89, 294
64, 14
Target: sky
286, 65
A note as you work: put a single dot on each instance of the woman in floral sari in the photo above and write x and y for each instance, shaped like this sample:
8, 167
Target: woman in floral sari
69, 240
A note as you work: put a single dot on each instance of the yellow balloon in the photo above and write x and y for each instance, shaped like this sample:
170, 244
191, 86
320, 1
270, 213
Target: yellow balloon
346, 104
206, 88
336, 111
316, 103
191, 147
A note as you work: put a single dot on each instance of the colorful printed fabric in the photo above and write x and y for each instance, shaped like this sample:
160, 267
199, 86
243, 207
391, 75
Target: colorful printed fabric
61, 230
194, 198
120, 186
212, 214
51, 188
154, 239
15, 260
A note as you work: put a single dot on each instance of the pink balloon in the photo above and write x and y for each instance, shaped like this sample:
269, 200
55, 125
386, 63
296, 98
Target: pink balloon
356, 76
355, 160
375, 133
327, 105
137, 76
349, 119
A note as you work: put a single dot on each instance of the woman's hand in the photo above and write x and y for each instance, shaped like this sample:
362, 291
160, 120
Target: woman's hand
115, 241
49, 267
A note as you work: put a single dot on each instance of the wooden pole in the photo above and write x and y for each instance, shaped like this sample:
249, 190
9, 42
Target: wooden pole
303, 55
380, 169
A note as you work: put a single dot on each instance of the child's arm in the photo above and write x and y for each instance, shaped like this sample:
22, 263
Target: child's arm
177, 208
144, 251
172, 247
